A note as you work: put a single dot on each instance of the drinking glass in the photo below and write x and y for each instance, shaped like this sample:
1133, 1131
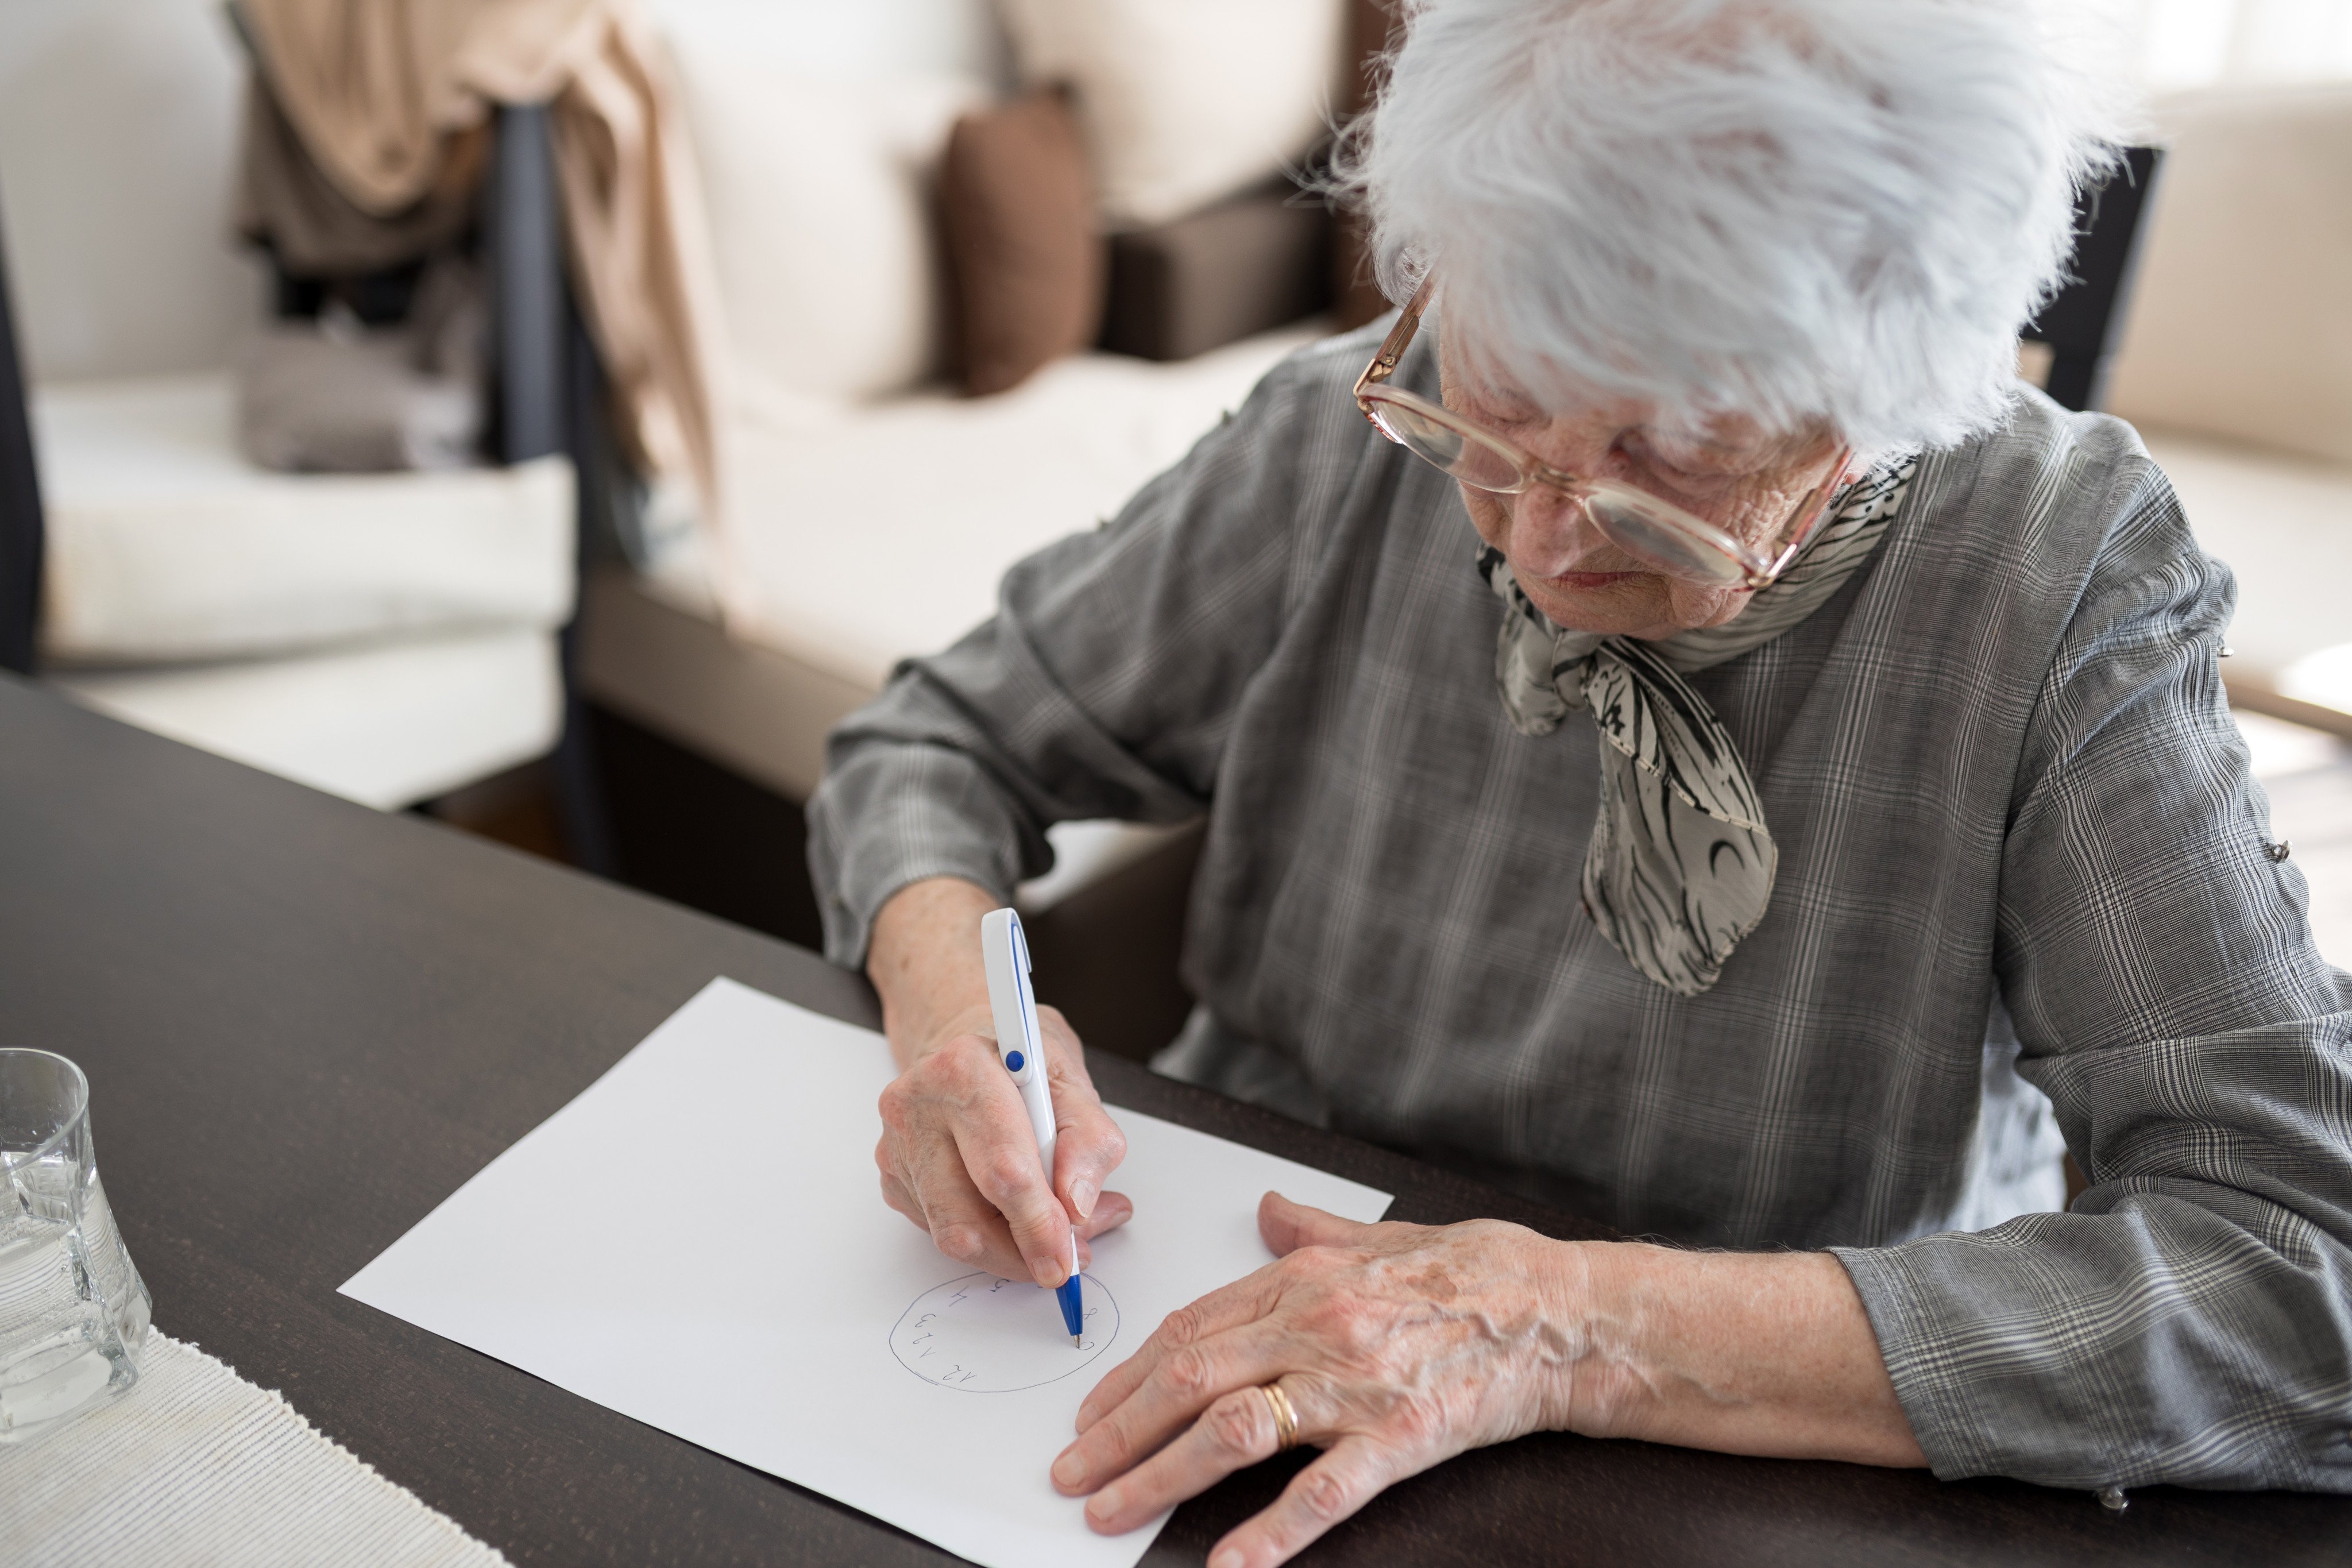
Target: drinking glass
73, 1310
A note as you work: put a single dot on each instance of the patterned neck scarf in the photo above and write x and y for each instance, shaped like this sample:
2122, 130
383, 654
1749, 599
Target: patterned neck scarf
1681, 863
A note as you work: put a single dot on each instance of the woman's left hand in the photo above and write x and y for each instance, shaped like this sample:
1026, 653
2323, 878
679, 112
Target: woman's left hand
1398, 1346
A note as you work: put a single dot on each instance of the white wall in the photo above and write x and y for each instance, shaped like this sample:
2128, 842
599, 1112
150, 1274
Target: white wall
118, 129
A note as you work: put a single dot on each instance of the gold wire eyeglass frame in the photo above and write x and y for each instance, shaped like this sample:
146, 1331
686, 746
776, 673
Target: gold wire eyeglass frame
1744, 565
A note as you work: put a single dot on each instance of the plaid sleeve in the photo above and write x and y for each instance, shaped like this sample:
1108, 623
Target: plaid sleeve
2190, 1319
1104, 685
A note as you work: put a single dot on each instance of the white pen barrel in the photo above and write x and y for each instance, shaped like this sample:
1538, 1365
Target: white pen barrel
1041, 1118
1020, 1043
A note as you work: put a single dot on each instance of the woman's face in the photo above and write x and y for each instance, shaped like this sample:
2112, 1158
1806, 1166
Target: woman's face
1736, 476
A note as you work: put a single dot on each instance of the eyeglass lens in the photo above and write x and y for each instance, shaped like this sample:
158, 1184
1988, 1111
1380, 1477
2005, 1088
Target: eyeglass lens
1465, 457
1619, 514
1639, 532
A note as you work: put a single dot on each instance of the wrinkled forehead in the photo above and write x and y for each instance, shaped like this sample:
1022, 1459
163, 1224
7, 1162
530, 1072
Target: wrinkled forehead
1528, 391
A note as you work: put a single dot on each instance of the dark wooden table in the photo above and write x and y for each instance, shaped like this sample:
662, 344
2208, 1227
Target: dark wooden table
305, 1024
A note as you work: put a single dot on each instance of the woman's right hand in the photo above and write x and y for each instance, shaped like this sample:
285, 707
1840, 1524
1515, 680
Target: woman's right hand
958, 1156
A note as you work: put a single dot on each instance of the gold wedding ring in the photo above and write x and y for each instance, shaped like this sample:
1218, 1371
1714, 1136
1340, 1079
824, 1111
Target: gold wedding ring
1285, 1419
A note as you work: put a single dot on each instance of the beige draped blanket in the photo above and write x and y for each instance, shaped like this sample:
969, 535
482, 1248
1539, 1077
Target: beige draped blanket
388, 98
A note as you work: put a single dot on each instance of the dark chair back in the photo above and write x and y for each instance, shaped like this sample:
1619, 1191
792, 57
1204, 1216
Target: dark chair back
523, 230
20, 502
2083, 325
551, 397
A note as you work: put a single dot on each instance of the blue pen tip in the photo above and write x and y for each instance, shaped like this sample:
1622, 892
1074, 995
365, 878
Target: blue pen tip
1072, 1296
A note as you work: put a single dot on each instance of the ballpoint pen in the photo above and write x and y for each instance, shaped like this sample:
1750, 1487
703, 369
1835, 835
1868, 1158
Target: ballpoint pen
1005, 954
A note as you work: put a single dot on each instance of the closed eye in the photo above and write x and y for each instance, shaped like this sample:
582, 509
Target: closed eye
1645, 466
1505, 415
1648, 471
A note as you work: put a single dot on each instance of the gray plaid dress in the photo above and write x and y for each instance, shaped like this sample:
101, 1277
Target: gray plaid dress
2004, 785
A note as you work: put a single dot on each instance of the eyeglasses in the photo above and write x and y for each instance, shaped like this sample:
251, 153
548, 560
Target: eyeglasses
1656, 533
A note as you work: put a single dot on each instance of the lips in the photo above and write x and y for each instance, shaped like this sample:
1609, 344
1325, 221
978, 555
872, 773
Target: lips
1582, 581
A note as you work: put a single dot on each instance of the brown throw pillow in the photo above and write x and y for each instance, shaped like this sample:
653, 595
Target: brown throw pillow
1027, 264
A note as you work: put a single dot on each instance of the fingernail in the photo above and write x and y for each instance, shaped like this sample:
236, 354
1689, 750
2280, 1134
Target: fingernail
1069, 1470
1048, 1273
1083, 1194
1104, 1504
1230, 1557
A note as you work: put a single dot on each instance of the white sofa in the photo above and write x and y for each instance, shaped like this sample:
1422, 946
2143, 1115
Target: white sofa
388, 637
2236, 366
875, 507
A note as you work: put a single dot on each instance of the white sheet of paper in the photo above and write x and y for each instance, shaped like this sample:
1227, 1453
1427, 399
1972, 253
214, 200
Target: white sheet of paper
697, 1242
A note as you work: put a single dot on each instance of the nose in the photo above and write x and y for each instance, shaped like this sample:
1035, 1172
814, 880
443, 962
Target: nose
1553, 532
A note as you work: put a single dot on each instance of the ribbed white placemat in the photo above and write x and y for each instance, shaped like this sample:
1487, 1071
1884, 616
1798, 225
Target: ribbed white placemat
194, 1465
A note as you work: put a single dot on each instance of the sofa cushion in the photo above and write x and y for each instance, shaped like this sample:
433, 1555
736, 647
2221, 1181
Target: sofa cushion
1185, 104
819, 198
2322, 680
165, 544
823, 503
1195, 283
1026, 263
2241, 322
386, 725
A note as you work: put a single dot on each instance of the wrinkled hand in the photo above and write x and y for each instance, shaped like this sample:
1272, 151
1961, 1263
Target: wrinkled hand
1398, 1345
958, 1156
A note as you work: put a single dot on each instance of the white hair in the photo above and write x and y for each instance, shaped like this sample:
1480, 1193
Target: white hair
1794, 210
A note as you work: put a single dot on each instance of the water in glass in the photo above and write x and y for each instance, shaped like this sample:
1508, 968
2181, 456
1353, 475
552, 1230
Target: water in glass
73, 1310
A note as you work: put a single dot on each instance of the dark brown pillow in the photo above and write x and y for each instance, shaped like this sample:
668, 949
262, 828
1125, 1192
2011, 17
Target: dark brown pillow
1027, 264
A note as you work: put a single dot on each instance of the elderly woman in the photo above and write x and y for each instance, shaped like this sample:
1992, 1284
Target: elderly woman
1685, 732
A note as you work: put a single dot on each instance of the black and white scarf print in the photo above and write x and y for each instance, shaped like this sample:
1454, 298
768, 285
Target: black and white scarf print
1681, 863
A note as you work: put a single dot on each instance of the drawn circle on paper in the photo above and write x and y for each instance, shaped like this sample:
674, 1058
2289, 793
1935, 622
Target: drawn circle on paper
979, 1334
